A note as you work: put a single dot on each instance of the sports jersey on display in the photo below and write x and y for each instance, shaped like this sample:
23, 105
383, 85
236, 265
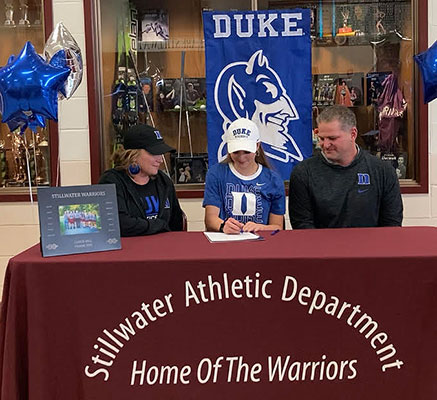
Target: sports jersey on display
245, 198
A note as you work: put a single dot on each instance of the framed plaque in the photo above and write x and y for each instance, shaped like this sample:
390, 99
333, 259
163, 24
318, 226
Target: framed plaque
350, 89
169, 94
195, 94
78, 219
189, 168
154, 26
374, 86
324, 87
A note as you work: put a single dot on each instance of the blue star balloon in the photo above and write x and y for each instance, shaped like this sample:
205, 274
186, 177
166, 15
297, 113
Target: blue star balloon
29, 88
427, 62
24, 121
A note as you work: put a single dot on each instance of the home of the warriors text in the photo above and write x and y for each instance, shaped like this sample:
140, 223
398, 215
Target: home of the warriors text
110, 341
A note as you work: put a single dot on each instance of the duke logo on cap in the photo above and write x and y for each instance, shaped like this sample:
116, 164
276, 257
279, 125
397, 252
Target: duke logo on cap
145, 137
242, 134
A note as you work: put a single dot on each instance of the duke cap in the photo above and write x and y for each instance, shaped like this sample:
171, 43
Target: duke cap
145, 137
242, 134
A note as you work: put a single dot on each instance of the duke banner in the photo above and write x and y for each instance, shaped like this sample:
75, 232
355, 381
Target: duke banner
258, 66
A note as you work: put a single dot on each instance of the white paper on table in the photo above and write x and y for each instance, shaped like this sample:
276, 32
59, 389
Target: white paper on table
217, 237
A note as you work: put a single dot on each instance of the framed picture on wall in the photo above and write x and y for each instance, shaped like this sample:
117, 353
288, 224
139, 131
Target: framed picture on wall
324, 89
189, 168
146, 84
154, 26
168, 94
195, 93
349, 91
374, 86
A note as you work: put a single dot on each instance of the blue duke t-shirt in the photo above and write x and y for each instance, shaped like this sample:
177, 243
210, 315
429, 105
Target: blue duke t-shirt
245, 198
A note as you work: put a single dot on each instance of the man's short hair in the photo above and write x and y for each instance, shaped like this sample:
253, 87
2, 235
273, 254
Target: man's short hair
339, 113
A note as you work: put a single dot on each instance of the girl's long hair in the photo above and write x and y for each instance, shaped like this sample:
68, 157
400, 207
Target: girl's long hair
260, 158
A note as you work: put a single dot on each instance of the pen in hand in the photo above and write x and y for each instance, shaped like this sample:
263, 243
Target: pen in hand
275, 232
232, 226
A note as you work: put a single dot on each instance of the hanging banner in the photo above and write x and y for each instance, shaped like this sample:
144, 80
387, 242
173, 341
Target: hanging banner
258, 66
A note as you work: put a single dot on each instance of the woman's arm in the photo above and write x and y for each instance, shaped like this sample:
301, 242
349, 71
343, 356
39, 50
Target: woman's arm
132, 225
213, 221
275, 222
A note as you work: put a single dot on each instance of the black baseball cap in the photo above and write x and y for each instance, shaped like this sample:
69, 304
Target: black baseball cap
145, 137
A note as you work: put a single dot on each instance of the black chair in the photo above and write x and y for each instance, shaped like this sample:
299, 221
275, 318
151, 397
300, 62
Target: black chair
184, 222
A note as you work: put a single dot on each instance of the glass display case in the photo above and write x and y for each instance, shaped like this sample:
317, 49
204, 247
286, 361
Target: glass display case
150, 67
24, 157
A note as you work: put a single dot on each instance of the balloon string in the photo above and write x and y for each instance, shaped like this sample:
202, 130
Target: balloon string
58, 168
34, 158
28, 169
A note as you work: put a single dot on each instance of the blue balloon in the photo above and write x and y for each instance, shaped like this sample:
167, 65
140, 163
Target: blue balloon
427, 62
29, 88
14, 124
37, 120
60, 60
23, 122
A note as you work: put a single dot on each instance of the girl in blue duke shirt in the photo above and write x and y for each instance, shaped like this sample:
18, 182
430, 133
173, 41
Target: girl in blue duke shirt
242, 194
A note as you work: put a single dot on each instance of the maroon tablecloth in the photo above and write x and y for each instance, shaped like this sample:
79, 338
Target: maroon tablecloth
323, 314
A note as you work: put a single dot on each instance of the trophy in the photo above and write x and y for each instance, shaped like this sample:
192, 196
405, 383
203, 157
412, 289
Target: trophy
38, 153
24, 8
380, 30
345, 30
38, 7
42, 160
3, 164
345, 14
359, 20
18, 151
9, 13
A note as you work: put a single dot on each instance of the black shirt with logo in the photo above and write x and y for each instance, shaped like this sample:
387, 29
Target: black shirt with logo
365, 193
150, 199
145, 209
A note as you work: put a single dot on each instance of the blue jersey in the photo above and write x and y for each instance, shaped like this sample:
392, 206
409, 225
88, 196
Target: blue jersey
245, 198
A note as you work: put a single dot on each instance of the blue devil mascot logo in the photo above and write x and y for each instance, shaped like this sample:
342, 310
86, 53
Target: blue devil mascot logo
252, 89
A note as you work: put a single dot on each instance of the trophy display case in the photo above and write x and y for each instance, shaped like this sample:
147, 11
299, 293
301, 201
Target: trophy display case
161, 49
24, 156
362, 57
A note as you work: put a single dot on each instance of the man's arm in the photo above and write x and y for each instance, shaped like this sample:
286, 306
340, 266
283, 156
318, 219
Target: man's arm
391, 210
300, 206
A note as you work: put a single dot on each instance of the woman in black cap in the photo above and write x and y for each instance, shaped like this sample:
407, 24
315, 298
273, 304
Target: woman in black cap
146, 196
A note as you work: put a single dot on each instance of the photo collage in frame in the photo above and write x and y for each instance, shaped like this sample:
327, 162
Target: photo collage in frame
78, 219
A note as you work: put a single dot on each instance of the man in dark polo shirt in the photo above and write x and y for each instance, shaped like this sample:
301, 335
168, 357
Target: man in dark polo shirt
343, 185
